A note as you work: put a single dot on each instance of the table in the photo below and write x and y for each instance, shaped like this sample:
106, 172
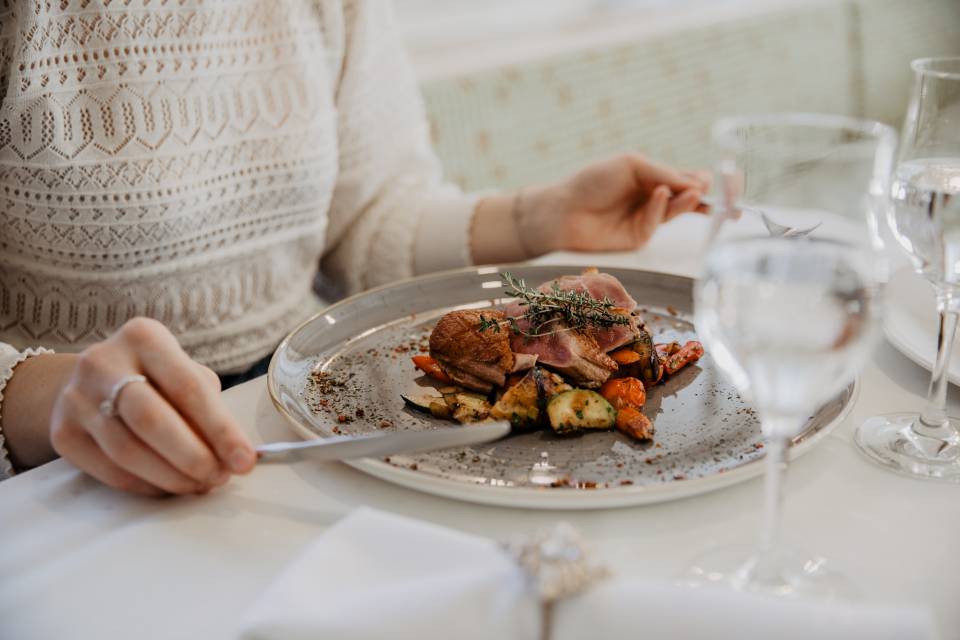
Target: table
78, 560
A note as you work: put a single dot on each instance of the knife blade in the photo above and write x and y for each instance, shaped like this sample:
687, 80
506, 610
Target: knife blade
380, 444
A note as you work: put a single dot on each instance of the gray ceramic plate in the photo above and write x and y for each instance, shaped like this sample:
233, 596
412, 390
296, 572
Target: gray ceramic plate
344, 370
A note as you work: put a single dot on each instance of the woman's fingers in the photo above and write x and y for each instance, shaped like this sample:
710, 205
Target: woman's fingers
685, 202
90, 458
125, 449
210, 375
144, 411
160, 427
647, 172
172, 434
73, 443
704, 179
189, 391
191, 394
648, 217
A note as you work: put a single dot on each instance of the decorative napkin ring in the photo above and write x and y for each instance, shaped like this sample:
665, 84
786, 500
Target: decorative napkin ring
555, 560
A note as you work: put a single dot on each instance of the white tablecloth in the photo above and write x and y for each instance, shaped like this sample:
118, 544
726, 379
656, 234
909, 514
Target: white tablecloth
78, 560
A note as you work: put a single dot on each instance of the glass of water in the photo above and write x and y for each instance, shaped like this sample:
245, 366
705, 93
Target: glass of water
788, 302
925, 220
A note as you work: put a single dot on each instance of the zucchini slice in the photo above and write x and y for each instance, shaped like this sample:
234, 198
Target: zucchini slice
434, 405
579, 409
467, 407
524, 404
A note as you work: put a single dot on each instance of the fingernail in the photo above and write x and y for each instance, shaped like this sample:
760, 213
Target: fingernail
240, 459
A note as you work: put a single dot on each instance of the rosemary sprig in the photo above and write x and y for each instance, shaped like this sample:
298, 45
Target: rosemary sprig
578, 310
488, 323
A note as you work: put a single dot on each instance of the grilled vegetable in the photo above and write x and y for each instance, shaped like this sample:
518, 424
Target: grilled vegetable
578, 409
625, 356
690, 352
646, 366
466, 406
434, 405
521, 403
624, 392
550, 384
430, 367
667, 349
634, 424
627, 395
524, 403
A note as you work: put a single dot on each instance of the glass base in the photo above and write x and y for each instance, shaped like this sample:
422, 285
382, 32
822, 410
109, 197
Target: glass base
890, 441
789, 574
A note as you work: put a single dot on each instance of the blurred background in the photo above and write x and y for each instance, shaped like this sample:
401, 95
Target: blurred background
520, 91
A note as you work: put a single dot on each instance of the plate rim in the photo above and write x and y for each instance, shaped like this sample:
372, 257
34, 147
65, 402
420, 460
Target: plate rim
544, 498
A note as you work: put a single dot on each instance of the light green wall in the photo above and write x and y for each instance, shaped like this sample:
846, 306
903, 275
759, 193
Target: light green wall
659, 95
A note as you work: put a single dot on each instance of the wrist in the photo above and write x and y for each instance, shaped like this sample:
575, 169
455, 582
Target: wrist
519, 225
540, 214
28, 400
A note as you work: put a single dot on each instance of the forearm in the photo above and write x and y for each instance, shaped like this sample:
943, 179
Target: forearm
493, 231
28, 401
514, 226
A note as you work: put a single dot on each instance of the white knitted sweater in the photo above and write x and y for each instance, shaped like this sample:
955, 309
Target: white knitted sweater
193, 160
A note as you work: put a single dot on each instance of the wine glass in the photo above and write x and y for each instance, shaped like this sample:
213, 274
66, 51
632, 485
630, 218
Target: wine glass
791, 318
925, 219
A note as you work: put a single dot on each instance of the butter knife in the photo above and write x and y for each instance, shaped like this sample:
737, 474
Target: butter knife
380, 444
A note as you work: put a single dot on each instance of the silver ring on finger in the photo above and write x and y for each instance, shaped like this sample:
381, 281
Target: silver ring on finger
109, 406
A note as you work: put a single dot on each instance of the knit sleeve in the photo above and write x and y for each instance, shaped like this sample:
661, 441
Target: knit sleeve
391, 216
9, 359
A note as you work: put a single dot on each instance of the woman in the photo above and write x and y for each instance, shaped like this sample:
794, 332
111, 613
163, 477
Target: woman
172, 174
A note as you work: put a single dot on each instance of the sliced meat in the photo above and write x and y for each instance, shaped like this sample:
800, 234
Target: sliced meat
478, 360
580, 356
577, 356
610, 338
607, 338
598, 285
602, 286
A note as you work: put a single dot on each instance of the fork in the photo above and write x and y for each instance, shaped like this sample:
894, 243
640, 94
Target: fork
773, 228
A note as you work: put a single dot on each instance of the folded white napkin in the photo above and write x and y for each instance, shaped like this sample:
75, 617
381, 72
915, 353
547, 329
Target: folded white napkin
378, 575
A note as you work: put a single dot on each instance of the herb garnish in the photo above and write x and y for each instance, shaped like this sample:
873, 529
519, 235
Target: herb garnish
543, 310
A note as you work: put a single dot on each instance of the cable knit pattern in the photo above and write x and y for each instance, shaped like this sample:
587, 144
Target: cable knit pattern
192, 160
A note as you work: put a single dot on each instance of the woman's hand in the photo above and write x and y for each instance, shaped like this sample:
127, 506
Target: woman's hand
172, 434
611, 205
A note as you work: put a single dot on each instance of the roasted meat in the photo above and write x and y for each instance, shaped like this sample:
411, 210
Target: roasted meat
478, 360
601, 286
598, 285
575, 355
580, 356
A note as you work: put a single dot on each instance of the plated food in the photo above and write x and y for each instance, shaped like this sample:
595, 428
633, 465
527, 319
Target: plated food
346, 370
571, 355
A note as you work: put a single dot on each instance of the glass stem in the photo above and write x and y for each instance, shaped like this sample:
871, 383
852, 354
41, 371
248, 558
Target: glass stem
768, 569
933, 421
